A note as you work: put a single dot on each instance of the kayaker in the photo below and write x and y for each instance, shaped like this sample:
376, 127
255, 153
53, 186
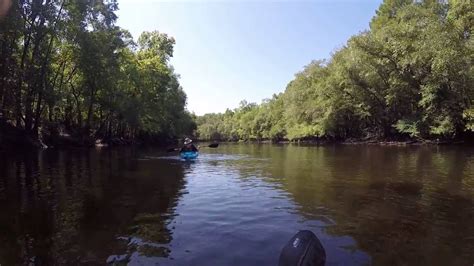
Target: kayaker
188, 146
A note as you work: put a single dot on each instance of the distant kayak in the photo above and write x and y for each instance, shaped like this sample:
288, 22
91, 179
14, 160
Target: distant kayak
188, 155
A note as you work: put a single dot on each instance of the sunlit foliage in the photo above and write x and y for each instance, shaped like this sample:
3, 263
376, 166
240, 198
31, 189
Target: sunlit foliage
410, 75
66, 65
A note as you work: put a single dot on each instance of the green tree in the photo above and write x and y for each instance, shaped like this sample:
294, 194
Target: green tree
410, 75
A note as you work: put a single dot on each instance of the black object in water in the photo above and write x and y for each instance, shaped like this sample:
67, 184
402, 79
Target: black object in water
303, 249
213, 145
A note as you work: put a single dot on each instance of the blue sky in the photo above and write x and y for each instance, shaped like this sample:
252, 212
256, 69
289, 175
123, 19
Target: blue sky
228, 51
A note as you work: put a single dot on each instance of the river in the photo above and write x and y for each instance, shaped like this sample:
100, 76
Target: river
237, 205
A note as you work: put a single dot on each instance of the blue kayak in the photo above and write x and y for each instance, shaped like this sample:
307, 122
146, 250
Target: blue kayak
188, 155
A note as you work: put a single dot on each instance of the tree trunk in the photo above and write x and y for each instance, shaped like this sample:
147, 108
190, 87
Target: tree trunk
3, 71
78, 105
38, 113
42, 81
20, 81
90, 109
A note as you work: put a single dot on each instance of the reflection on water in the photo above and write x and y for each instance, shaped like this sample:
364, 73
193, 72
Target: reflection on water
71, 207
238, 205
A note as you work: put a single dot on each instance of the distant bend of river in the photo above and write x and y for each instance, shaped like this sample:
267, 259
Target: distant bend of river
237, 205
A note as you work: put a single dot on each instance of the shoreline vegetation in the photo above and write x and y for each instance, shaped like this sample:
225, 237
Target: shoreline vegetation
378, 142
408, 79
69, 76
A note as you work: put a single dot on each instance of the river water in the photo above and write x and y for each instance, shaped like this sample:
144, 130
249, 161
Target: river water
237, 205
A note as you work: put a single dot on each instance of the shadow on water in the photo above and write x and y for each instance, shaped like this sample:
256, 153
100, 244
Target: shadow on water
79, 207
402, 205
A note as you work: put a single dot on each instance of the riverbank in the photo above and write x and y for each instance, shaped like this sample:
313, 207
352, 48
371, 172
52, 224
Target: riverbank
359, 141
13, 137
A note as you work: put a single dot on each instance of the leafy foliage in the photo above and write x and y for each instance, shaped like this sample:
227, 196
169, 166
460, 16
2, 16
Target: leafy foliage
65, 64
410, 75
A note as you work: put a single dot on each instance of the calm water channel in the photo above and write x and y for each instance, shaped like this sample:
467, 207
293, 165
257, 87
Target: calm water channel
237, 205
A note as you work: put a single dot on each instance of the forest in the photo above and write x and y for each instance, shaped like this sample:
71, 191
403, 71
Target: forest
409, 76
67, 71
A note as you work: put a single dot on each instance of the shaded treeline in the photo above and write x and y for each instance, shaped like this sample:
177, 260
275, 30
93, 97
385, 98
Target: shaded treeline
409, 76
65, 67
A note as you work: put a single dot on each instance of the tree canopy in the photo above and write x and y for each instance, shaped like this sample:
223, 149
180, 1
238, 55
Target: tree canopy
410, 75
65, 65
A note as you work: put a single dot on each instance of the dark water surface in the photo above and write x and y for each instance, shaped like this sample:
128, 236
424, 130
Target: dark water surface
237, 205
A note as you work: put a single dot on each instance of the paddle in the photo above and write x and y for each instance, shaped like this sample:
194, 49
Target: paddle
212, 145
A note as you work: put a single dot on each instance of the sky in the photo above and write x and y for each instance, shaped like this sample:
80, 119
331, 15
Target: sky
229, 51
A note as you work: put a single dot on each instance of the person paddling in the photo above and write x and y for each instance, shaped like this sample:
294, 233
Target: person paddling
188, 146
